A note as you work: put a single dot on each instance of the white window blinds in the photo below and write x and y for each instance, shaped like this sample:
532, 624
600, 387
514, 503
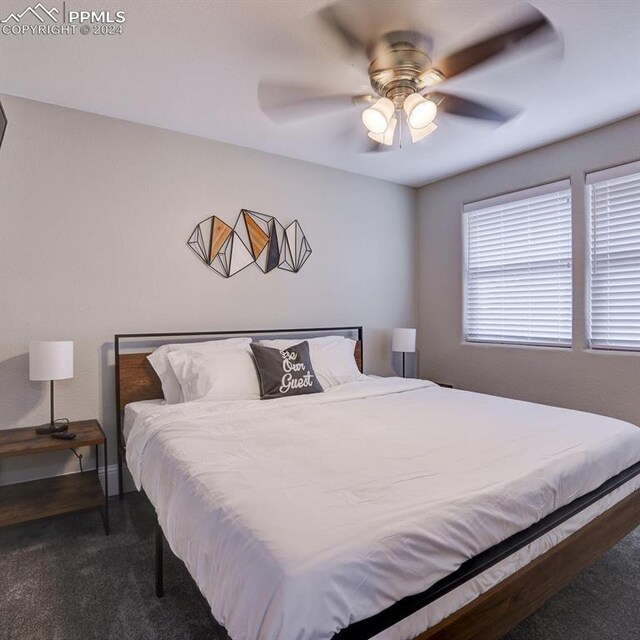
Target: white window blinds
614, 198
518, 267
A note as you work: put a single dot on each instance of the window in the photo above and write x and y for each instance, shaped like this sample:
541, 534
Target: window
518, 267
614, 291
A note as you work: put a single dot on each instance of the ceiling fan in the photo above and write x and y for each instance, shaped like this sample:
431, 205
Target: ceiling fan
405, 79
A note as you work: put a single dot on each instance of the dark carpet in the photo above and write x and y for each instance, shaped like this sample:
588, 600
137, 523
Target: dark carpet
63, 579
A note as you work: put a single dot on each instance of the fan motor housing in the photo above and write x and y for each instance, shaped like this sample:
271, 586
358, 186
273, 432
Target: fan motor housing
395, 71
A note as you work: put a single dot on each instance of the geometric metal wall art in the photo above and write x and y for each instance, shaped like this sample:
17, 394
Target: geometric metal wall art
255, 238
3, 123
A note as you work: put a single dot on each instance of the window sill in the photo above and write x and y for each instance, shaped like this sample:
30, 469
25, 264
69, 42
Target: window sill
612, 352
561, 348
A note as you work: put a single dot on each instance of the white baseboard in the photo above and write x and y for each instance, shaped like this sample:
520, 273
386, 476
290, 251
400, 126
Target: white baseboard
112, 476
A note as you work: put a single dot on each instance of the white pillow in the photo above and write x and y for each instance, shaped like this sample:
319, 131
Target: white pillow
216, 375
160, 362
332, 358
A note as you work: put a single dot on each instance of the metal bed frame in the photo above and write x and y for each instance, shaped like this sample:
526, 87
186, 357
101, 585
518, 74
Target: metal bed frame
368, 628
478, 564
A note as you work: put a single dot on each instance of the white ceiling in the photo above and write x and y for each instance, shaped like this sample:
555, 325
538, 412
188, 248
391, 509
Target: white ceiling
194, 67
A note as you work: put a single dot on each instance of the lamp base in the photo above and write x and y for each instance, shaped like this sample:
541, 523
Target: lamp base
48, 429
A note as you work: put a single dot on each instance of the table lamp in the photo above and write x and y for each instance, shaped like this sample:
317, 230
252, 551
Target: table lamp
51, 360
403, 341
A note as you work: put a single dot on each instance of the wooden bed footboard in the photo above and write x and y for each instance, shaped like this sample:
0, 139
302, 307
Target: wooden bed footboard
491, 615
494, 613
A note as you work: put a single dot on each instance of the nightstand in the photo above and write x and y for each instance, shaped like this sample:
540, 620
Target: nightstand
27, 501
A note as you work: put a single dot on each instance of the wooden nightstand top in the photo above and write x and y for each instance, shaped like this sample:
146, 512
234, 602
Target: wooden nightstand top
25, 441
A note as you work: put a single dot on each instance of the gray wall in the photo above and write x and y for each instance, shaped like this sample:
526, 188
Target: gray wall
602, 382
94, 217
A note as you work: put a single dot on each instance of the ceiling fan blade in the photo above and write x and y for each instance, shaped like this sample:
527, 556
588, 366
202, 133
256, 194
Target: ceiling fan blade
467, 108
353, 135
371, 146
376, 147
331, 18
534, 22
290, 103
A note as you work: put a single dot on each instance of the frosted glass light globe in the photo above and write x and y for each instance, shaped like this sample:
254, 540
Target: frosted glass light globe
377, 117
420, 111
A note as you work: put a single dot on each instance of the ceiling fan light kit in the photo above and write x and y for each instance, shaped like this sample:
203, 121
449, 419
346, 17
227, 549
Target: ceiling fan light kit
396, 74
381, 120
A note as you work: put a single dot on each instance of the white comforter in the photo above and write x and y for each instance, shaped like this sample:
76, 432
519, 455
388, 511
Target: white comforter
299, 516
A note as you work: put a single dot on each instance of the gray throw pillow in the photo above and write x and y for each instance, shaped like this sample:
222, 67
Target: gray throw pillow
286, 372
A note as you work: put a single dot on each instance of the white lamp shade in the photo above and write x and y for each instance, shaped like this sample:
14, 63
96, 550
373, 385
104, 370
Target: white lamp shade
418, 134
50, 360
420, 111
378, 116
387, 136
403, 340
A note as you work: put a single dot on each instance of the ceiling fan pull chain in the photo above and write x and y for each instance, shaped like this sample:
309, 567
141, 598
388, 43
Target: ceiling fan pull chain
400, 123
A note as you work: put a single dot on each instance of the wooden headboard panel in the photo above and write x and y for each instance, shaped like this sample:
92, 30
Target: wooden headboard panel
138, 381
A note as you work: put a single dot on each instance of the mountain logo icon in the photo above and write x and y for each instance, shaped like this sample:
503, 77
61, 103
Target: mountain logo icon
39, 11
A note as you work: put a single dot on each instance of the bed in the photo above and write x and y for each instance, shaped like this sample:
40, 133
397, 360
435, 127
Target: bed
384, 508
